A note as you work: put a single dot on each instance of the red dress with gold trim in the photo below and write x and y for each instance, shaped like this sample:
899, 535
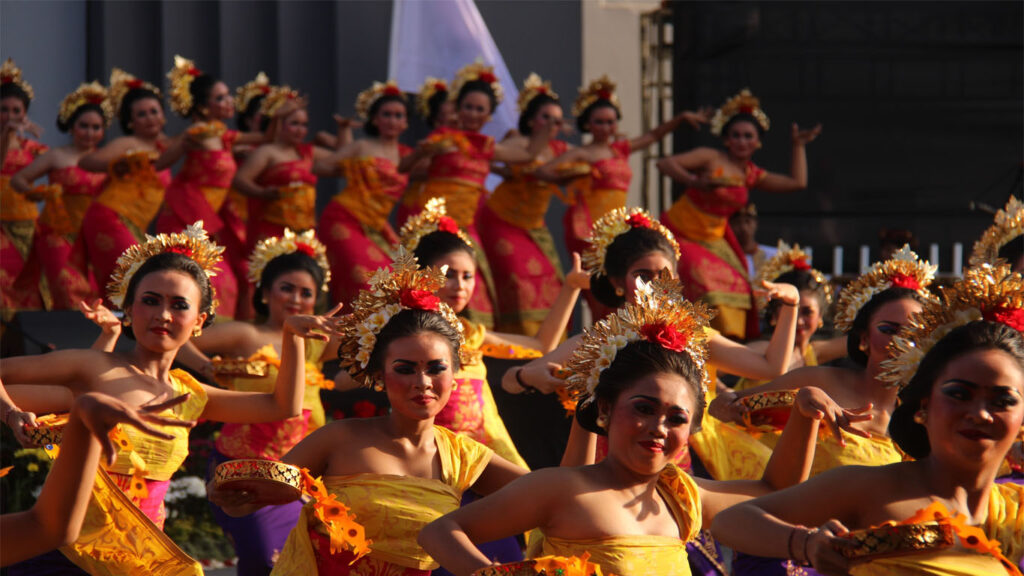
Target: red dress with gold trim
17, 222
295, 208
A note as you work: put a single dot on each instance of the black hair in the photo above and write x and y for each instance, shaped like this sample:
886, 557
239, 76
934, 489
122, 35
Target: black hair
65, 127
532, 109
369, 127
179, 263
861, 322
804, 281
626, 249
283, 264
743, 117
635, 361
434, 104
437, 245
245, 116
200, 89
980, 335
410, 323
478, 86
1012, 251
124, 115
12, 90
584, 118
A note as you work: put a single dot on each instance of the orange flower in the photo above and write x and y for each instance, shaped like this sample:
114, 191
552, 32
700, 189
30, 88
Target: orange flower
567, 402
138, 490
566, 566
5, 471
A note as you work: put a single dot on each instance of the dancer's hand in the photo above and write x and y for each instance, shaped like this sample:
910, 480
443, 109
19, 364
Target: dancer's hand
19, 421
804, 137
101, 413
814, 403
821, 549
101, 316
785, 293
695, 119
576, 276
727, 408
315, 327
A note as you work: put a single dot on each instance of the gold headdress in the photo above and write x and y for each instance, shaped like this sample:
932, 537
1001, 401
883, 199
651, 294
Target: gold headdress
91, 93
260, 86
611, 226
601, 89
121, 83
405, 286
368, 97
277, 97
270, 248
984, 293
434, 217
11, 74
1008, 226
660, 315
904, 270
787, 259
533, 87
430, 87
742, 103
193, 243
181, 77
476, 71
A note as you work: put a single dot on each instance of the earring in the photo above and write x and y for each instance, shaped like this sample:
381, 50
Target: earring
378, 385
620, 292
197, 331
263, 300
863, 347
920, 416
126, 321
757, 146
602, 422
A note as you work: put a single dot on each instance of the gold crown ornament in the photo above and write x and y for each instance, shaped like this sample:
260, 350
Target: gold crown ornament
244, 94
601, 89
91, 93
660, 315
991, 293
533, 87
903, 270
433, 218
430, 87
742, 103
787, 259
1007, 227
277, 97
611, 226
367, 98
121, 83
473, 72
192, 243
288, 243
405, 286
181, 77
11, 74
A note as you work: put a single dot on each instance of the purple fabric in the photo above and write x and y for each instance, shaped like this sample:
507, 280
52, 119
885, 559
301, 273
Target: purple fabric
698, 553
50, 564
504, 550
746, 565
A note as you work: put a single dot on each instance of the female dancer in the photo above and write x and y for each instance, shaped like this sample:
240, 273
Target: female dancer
713, 266
397, 472
355, 224
519, 247
58, 257
18, 213
164, 288
121, 214
434, 107
961, 369
639, 377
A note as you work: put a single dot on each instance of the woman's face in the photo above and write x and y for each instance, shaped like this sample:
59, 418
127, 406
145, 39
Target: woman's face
649, 423
418, 375
808, 318
883, 325
220, 104
87, 131
603, 123
548, 120
291, 293
447, 115
12, 110
294, 127
461, 279
474, 111
645, 268
976, 408
742, 139
147, 118
165, 310
391, 119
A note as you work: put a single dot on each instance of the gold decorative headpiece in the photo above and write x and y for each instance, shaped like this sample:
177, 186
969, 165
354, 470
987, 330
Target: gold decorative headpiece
193, 243
11, 74
611, 226
903, 270
270, 248
476, 71
1007, 227
742, 103
260, 86
181, 77
368, 97
430, 87
984, 293
601, 89
433, 218
91, 93
276, 98
660, 315
533, 87
121, 83
405, 286
787, 259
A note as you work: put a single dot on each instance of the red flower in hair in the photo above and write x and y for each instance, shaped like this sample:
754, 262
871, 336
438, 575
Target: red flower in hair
264, 89
486, 77
183, 250
1012, 317
664, 335
639, 220
901, 280
392, 90
305, 249
193, 71
447, 224
604, 94
746, 109
418, 299
440, 86
6, 79
801, 264
136, 83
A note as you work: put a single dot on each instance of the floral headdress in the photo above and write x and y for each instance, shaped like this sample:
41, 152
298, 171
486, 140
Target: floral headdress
270, 248
193, 243
533, 87
1008, 226
121, 83
903, 270
660, 315
601, 89
276, 98
433, 218
787, 259
91, 93
11, 74
987, 293
473, 72
430, 87
742, 103
244, 94
405, 286
368, 97
611, 226
181, 77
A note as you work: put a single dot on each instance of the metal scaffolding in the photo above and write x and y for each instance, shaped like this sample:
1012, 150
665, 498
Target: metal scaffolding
656, 37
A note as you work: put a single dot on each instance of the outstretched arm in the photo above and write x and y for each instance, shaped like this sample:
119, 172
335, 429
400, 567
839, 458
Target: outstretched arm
740, 360
797, 178
694, 119
110, 325
40, 166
